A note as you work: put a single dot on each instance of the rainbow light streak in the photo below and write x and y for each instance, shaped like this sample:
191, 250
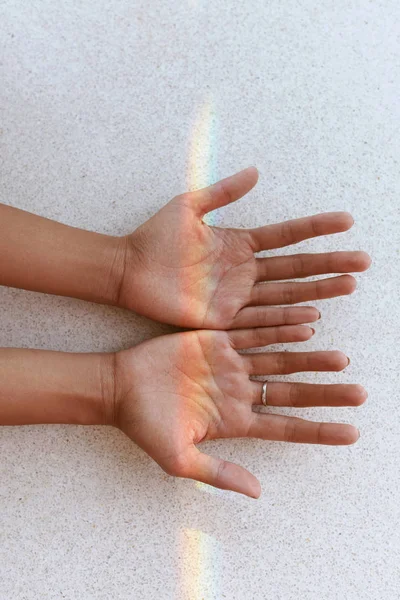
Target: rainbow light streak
202, 169
200, 560
202, 172
200, 573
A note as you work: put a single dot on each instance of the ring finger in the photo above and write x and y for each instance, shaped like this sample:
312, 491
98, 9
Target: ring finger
298, 395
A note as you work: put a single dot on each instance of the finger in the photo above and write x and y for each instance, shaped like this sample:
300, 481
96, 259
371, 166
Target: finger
300, 395
292, 232
293, 292
264, 336
283, 363
307, 265
224, 192
280, 428
264, 316
221, 474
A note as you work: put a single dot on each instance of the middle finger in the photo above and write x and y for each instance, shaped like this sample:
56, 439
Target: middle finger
283, 363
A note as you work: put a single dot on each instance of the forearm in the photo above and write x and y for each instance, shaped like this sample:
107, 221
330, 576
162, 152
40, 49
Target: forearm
38, 386
45, 256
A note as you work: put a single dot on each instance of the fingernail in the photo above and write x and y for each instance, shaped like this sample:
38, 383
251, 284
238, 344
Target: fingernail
313, 330
359, 434
319, 315
348, 360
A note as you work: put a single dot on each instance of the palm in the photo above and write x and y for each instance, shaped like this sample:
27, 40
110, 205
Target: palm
203, 391
208, 272
200, 389
194, 275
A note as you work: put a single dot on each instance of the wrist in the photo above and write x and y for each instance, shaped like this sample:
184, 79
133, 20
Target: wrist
124, 370
124, 262
107, 413
110, 269
131, 277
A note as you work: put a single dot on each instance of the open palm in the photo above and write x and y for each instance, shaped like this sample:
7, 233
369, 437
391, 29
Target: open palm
193, 275
176, 391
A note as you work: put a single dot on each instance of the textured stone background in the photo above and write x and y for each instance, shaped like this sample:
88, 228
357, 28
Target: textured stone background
109, 108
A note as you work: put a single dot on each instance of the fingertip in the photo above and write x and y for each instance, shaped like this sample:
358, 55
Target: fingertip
350, 284
346, 435
256, 490
305, 332
364, 260
253, 169
350, 436
340, 360
345, 220
315, 314
360, 395
353, 435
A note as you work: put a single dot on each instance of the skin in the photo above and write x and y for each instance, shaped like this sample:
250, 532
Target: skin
202, 391
194, 275
177, 269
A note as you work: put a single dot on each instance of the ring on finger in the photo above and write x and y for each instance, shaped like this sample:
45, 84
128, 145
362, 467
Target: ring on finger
264, 393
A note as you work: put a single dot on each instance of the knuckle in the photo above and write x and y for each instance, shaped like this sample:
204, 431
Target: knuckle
333, 260
220, 470
286, 312
287, 232
281, 362
294, 396
257, 295
299, 265
288, 294
258, 336
315, 227
324, 394
224, 190
290, 433
319, 434
318, 290
260, 316
280, 335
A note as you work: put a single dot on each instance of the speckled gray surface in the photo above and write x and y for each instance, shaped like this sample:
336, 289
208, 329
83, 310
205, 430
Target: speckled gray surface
108, 110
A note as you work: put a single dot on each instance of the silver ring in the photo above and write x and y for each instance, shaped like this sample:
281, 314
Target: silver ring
264, 393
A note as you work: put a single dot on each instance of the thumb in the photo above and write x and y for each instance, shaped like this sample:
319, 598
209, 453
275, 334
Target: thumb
224, 191
221, 474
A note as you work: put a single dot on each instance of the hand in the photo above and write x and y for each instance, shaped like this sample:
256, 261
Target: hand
175, 391
181, 271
